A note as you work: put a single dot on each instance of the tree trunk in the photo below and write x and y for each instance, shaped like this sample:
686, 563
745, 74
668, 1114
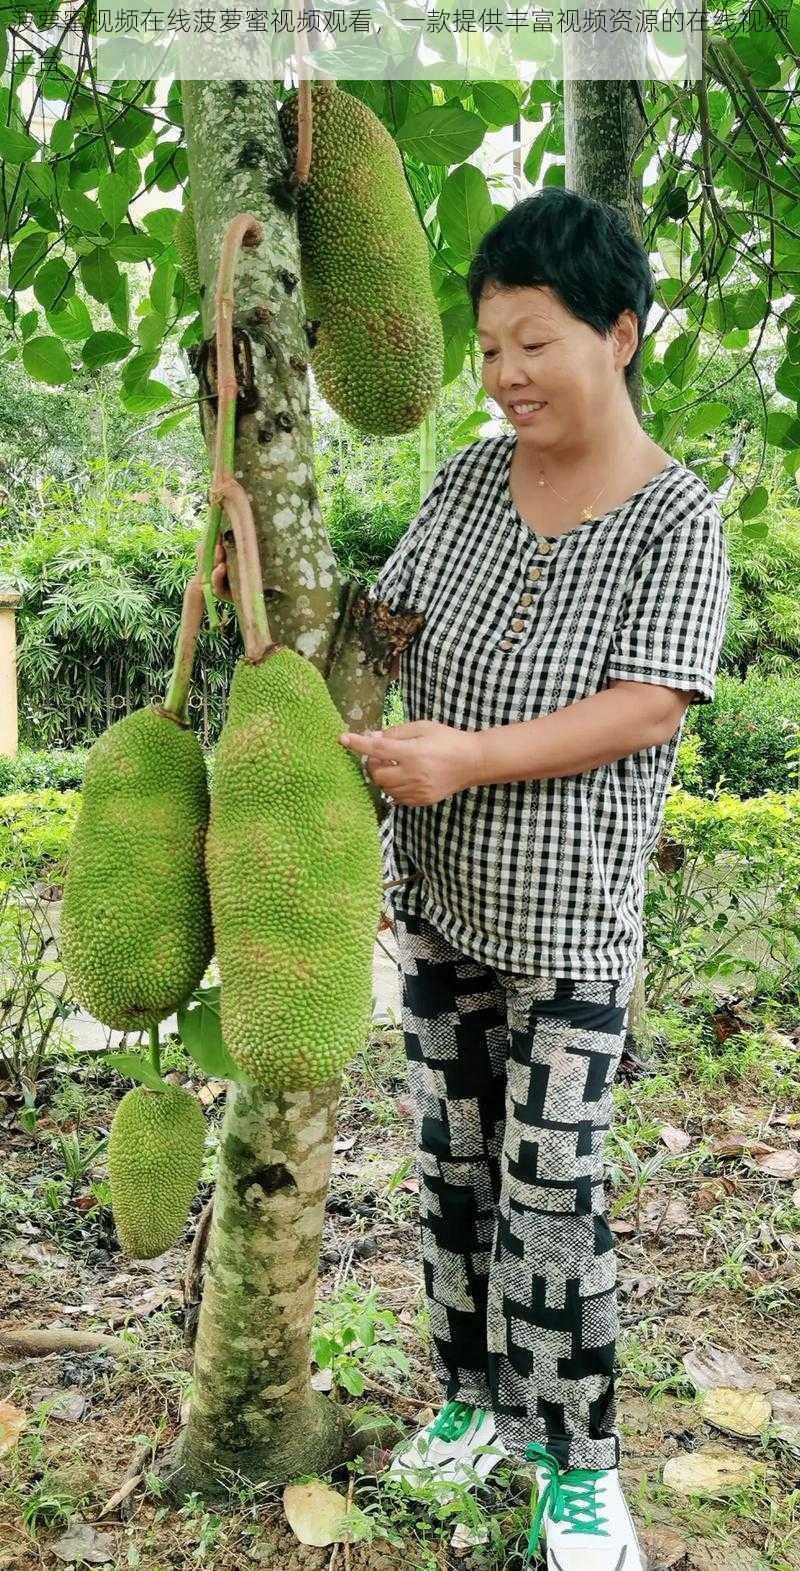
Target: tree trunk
252, 1405
602, 130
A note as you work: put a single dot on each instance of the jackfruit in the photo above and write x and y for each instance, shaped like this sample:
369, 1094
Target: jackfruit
294, 867
155, 1157
186, 245
136, 932
379, 354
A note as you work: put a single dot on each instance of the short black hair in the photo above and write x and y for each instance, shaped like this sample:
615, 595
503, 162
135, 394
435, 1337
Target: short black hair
585, 250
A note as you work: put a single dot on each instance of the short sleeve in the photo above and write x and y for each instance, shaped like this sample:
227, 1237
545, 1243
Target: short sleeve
394, 581
673, 620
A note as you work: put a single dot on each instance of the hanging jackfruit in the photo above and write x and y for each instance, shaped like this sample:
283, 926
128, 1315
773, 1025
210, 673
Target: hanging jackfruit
186, 245
379, 355
155, 1157
136, 932
294, 868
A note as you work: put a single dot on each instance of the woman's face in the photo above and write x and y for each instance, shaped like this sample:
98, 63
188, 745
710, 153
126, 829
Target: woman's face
535, 351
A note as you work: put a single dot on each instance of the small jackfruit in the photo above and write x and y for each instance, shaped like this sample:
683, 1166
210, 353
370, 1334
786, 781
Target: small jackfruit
136, 932
186, 245
294, 867
155, 1157
379, 354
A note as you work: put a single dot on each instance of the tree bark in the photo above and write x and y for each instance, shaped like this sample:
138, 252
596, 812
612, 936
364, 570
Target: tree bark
602, 128
253, 1408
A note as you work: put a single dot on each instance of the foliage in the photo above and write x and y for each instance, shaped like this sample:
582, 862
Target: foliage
33, 997
746, 735
102, 575
35, 831
56, 769
723, 895
351, 1337
763, 627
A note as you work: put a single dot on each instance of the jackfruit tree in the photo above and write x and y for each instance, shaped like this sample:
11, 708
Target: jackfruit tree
252, 1408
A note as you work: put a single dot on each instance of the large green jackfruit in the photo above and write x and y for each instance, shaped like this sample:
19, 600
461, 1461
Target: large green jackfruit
136, 932
379, 355
155, 1157
294, 868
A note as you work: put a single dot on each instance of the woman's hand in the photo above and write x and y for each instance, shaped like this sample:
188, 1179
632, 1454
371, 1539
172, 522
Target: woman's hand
420, 763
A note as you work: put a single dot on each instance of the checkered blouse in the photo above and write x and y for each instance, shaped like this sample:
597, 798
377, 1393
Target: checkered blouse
546, 876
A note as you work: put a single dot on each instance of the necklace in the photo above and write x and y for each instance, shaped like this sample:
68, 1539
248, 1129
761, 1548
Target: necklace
586, 515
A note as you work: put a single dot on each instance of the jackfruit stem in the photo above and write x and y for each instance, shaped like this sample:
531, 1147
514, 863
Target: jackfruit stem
177, 700
243, 230
155, 1048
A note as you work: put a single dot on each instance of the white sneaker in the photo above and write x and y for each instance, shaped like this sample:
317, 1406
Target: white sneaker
450, 1447
587, 1524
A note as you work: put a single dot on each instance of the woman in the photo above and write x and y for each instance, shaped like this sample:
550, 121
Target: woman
574, 582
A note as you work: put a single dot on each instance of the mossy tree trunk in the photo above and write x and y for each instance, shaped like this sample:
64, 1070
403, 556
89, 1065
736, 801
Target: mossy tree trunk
602, 135
252, 1408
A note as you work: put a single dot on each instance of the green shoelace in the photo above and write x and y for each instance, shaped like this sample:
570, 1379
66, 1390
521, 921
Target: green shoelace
454, 1419
570, 1497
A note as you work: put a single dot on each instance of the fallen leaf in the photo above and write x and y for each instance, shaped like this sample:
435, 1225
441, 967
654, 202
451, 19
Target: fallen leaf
344, 1142
735, 1145
322, 1380
786, 1419
674, 1139
744, 1413
319, 1515
665, 1215
713, 1471
465, 1537
713, 1368
12, 1423
82, 1545
664, 1547
783, 1165
621, 1228
67, 1406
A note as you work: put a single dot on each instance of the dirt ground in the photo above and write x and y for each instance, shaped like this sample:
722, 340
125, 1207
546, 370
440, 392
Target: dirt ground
709, 1261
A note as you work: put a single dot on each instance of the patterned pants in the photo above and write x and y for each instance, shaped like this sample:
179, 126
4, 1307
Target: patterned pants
510, 1078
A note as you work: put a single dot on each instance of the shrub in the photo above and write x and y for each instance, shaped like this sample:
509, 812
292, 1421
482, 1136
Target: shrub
35, 831
746, 734
60, 769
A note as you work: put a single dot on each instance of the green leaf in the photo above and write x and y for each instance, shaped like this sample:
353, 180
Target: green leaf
46, 360
783, 429
26, 258
676, 204
445, 135
151, 331
61, 134
456, 327
145, 397
130, 246
787, 379
16, 147
73, 322
85, 215
750, 307
99, 274
535, 154
754, 502
704, 419
138, 369
758, 530
132, 128
162, 286
112, 196
104, 348
680, 359
29, 323
201, 1034
134, 1067
464, 209
470, 427
496, 104
54, 281
119, 307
